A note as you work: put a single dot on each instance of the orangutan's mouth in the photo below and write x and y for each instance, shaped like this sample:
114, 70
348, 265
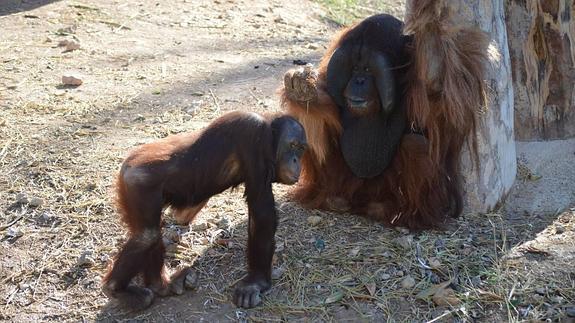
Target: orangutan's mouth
357, 104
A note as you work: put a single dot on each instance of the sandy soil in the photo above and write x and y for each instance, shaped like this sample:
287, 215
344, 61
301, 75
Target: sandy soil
546, 182
150, 69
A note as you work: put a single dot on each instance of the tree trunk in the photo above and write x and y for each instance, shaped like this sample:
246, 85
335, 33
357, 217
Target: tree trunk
485, 188
542, 47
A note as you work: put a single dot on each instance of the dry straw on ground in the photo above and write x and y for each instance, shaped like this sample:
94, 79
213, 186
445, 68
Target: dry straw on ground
152, 70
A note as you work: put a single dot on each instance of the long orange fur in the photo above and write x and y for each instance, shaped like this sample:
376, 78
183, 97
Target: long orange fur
444, 95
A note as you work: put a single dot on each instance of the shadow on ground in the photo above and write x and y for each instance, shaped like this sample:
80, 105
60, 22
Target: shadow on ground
8, 7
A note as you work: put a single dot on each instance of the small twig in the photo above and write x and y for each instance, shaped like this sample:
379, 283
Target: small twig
113, 24
164, 70
443, 315
418, 257
237, 280
83, 6
508, 303
258, 100
511, 292
215, 101
4, 227
11, 297
125, 22
38, 280
207, 27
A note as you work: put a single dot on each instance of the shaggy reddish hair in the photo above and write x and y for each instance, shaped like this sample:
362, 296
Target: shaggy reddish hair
444, 93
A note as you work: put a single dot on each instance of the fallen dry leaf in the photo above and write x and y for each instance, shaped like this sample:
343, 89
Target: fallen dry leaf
441, 294
370, 286
535, 250
489, 296
429, 292
446, 296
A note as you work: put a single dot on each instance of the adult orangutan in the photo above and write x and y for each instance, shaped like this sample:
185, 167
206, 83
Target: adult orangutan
387, 114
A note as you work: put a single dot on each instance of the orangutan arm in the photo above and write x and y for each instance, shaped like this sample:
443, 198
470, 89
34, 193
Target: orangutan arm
305, 98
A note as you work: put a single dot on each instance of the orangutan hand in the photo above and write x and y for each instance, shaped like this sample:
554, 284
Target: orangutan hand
300, 84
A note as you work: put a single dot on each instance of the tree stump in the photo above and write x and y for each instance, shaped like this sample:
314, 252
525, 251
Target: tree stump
486, 187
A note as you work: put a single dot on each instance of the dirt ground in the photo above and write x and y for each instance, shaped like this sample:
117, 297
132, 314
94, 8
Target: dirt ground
150, 69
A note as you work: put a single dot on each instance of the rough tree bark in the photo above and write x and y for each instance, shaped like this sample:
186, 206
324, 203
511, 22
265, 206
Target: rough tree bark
485, 188
542, 47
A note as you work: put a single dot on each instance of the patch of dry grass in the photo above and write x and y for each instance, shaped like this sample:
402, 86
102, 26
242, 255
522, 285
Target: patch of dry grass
347, 12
